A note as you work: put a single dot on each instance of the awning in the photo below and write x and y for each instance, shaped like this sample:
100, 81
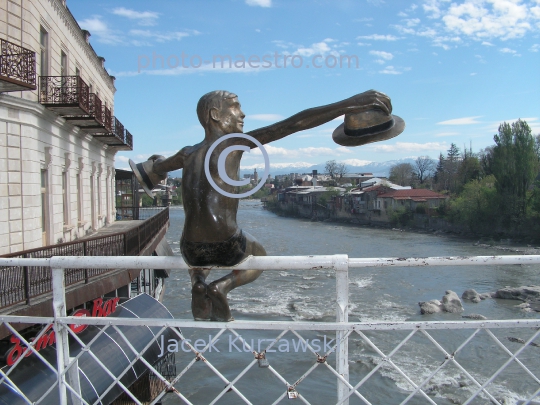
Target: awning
34, 378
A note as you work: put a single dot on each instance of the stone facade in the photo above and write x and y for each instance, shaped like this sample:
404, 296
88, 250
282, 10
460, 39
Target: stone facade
56, 181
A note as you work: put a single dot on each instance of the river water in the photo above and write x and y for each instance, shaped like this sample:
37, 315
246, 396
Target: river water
376, 294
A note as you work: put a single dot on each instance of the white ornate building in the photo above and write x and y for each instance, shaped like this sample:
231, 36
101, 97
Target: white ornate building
58, 135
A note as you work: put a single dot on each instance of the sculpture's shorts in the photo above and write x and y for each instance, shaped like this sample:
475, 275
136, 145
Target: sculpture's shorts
227, 253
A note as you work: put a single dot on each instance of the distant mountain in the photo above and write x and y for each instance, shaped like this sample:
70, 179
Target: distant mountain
353, 166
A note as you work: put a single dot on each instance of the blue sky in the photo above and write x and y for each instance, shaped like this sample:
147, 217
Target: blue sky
454, 70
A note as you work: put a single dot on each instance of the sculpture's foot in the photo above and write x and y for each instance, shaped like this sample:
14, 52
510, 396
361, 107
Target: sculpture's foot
220, 305
201, 305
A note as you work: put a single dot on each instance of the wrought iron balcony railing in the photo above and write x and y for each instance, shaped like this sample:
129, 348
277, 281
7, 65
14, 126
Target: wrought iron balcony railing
117, 136
94, 121
107, 119
65, 95
17, 67
129, 140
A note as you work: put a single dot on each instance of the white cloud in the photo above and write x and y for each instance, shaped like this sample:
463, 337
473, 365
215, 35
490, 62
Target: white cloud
480, 19
391, 70
142, 17
461, 121
97, 27
162, 37
319, 48
259, 3
120, 158
412, 22
378, 37
382, 55
535, 48
507, 50
432, 8
410, 147
264, 117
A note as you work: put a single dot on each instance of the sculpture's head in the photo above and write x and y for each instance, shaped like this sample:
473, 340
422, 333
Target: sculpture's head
220, 110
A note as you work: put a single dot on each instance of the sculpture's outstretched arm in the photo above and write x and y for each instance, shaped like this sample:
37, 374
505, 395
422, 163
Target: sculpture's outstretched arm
314, 117
164, 165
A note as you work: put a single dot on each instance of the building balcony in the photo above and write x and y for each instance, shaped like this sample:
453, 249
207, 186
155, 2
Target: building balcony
65, 95
117, 137
95, 121
17, 67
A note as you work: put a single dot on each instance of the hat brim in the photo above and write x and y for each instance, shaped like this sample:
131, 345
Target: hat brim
140, 178
341, 138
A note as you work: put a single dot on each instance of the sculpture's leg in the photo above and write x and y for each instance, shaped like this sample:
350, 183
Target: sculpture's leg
217, 290
201, 305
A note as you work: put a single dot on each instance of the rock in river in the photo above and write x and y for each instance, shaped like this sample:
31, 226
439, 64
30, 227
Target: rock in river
450, 303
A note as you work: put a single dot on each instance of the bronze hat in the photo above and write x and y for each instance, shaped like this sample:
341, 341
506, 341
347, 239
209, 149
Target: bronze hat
366, 127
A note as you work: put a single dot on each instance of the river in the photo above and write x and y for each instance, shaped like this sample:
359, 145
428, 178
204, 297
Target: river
376, 294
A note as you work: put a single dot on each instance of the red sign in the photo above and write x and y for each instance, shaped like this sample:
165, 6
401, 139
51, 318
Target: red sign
99, 309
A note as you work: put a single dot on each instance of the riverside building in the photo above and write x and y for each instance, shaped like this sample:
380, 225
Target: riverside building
58, 195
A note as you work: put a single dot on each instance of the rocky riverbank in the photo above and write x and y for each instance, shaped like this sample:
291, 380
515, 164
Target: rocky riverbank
529, 295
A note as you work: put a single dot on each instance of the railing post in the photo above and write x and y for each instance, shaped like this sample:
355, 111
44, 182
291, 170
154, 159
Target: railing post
62, 340
26, 284
59, 308
341, 266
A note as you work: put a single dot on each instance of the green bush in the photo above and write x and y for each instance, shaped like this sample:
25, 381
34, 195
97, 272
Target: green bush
400, 216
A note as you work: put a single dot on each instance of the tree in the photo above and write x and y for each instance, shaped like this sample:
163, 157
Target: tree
341, 170
477, 206
514, 164
402, 174
447, 169
331, 168
423, 167
469, 168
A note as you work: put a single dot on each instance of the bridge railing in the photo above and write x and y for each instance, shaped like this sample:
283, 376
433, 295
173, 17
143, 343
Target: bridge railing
476, 341
26, 283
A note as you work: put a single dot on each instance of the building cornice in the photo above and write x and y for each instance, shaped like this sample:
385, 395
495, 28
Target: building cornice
72, 25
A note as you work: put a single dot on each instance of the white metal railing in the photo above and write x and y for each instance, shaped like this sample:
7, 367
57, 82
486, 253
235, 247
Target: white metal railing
67, 366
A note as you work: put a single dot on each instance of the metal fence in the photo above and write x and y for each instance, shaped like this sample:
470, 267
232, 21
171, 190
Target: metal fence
479, 384
22, 284
17, 64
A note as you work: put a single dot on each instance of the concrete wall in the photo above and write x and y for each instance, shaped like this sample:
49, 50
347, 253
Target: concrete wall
33, 139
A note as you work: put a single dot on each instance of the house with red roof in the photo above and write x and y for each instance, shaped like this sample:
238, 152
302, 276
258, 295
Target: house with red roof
409, 199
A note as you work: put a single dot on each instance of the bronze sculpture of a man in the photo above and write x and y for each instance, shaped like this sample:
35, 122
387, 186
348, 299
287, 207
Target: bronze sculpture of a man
211, 236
